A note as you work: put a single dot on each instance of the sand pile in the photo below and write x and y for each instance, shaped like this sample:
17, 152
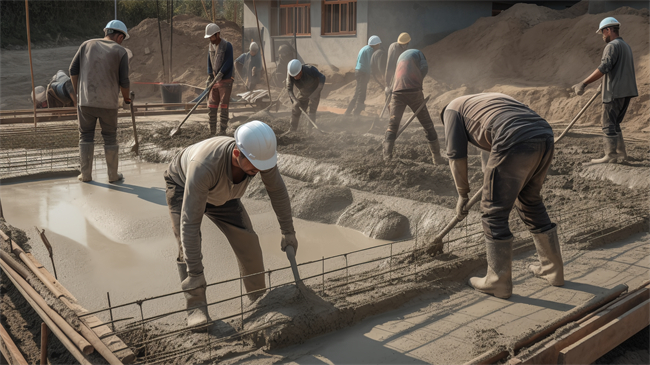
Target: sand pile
535, 54
189, 52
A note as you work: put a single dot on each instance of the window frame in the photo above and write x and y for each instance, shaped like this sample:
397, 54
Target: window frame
352, 12
304, 23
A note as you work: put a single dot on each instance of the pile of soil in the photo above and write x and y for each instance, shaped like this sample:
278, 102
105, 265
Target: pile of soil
188, 54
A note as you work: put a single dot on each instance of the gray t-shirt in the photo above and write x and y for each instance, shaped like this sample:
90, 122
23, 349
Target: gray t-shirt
308, 82
618, 66
491, 121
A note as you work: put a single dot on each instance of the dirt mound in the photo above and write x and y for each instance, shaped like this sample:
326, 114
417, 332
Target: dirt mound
188, 53
375, 221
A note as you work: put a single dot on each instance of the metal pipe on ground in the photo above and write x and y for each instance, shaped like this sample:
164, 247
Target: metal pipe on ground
259, 34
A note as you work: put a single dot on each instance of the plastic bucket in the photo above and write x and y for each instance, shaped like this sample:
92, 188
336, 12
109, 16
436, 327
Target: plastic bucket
171, 93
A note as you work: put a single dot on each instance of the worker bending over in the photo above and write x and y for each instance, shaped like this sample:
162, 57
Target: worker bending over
309, 82
521, 147
58, 94
362, 75
209, 178
619, 86
98, 70
394, 51
220, 67
407, 90
249, 66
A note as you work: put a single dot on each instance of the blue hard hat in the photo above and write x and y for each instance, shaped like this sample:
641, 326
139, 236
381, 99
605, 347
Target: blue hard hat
606, 23
118, 26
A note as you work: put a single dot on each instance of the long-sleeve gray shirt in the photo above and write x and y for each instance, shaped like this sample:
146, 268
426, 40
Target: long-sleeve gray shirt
204, 169
394, 51
617, 64
308, 82
491, 121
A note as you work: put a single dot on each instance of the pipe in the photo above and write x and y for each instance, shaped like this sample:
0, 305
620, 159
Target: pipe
11, 354
44, 332
259, 34
162, 54
31, 66
33, 298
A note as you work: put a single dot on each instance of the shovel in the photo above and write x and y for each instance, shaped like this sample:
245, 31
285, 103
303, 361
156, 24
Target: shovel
436, 246
382, 110
575, 119
177, 130
311, 121
136, 146
424, 103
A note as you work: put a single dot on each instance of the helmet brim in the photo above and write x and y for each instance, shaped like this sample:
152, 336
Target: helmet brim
264, 165
600, 30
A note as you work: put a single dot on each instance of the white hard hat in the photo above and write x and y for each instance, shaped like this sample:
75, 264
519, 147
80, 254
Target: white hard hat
256, 141
119, 26
254, 47
211, 29
374, 40
606, 23
294, 67
40, 94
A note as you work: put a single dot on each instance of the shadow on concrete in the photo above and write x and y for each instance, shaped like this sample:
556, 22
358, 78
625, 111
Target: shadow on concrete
152, 195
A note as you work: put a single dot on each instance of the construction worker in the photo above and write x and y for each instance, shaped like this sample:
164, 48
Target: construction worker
41, 97
97, 71
521, 146
220, 64
362, 75
394, 51
285, 55
377, 66
309, 82
209, 178
407, 90
60, 92
618, 87
249, 66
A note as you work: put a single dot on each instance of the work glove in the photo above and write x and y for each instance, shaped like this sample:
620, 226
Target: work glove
461, 206
219, 77
193, 281
579, 88
289, 239
253, 71
209, 80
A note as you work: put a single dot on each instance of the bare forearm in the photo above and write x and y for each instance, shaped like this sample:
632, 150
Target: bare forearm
125, 92
595, 76
75, 85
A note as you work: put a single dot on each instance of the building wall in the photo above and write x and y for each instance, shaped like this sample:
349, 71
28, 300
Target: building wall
426, 21
596, 7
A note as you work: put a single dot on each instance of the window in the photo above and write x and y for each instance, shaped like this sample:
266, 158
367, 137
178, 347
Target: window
294, 15
339, 17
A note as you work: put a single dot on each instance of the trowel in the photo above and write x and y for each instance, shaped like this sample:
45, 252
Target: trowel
306, 293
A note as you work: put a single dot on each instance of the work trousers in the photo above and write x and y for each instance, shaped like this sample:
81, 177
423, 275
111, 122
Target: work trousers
303, 101
613, 114
515, 177
413, 99
220, 98
232, 219
359, 99
88, 117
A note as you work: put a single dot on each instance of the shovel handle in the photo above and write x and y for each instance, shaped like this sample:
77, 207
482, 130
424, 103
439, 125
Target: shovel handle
415, 113
436, 245
291, 255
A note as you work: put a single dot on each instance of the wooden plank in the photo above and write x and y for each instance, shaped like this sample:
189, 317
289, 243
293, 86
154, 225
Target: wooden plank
606, 338
12, 353
550, 352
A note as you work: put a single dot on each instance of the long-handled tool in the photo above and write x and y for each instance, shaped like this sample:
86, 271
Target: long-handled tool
306, 293
46, 242
136, 146
311, 121
436, 246
383, 109
424, 103
575, 119
177, 130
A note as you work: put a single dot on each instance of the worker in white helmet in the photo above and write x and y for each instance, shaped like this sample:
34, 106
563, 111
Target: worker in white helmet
284, 55
220, 64
208, 179
309, 82
249, 66
618, 87
362, 75
394, 51
97, 71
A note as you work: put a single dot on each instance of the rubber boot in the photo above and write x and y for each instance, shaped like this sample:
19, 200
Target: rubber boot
222, 129
86, 152
610, 150
212, 121
434, 147
551, 266
498, 280
195, 300
112, 159
620, 147
388, 149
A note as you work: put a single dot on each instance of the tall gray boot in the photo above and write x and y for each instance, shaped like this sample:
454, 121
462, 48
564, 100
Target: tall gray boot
112, 160
212, 121
195, 299
86, 152
388, 149
609, 143
551, 266
620, 147
434, 147
223, 123
498, 280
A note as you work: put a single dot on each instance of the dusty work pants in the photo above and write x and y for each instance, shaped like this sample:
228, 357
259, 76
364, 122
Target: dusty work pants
232, 219
398, 104
88, 117
515, 177
220, 98
303, 101
359, 99
613, 114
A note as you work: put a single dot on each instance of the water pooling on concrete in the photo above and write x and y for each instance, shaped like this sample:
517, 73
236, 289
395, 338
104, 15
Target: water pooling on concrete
117, 238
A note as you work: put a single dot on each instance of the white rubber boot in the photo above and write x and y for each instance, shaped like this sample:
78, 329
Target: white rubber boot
610, 150
195, 299
434, 147
112, 160
620, 147
498, 280
551, 266
86, 152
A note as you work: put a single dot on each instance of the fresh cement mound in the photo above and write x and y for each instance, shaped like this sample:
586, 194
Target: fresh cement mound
628, 176
375, 221
319, 203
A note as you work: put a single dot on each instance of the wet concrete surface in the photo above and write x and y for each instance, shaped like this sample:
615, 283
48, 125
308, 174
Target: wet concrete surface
117, 238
